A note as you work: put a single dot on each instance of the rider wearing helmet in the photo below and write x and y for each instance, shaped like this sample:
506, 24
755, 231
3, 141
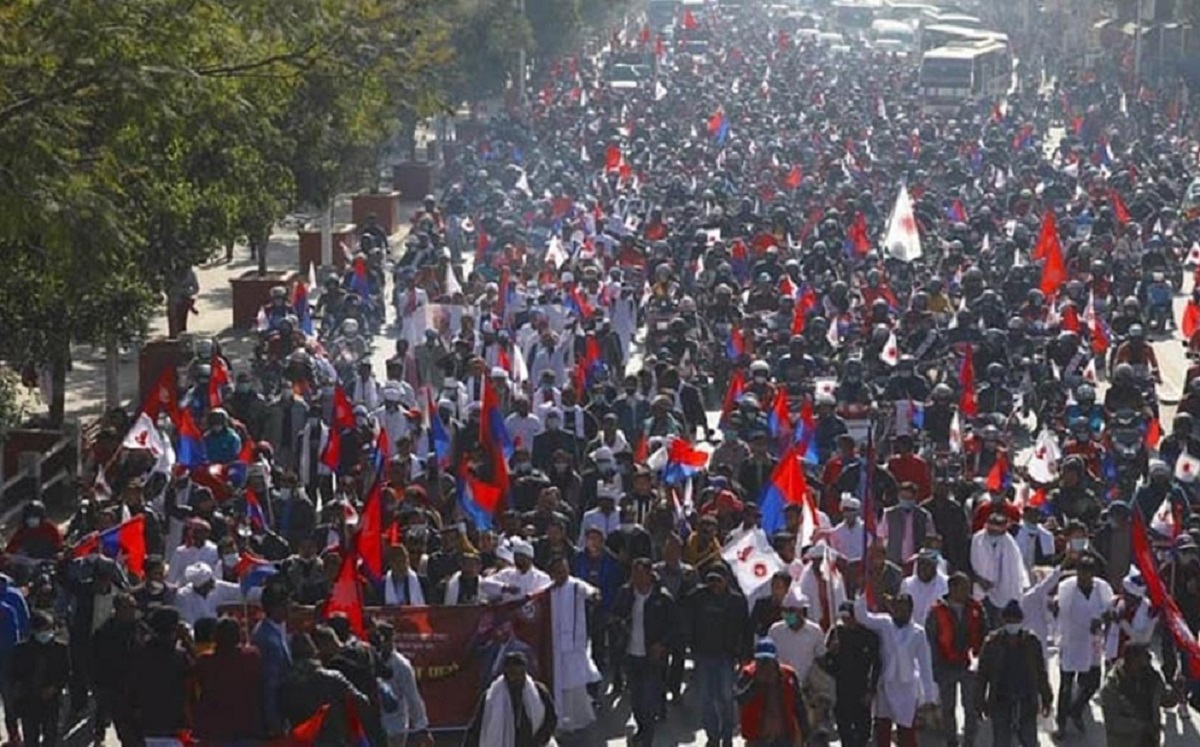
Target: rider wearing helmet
37, 537
1124, 392
1085, 407
1137, 352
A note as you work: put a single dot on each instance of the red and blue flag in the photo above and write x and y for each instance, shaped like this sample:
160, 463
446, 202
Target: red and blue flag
126, 540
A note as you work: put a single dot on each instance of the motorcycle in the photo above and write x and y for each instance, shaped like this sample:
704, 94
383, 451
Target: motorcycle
1127, 444
1159, 298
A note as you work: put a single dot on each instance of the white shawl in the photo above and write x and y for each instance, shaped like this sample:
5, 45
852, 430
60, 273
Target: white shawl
498, 728
1002, 565
391, 590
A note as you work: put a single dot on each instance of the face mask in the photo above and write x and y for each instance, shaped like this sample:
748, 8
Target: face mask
606, 468
242, 389
552, 424
791, 618
1031, 523
44, 636
908, 504
1079, 544
33, 522
522, 468
1012, 628
627, 526
230, 560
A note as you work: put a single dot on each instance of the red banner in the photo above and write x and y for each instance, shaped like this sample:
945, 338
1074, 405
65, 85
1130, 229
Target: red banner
1159, 597
455, 651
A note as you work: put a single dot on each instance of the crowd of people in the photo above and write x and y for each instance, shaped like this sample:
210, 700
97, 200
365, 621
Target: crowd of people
655, 358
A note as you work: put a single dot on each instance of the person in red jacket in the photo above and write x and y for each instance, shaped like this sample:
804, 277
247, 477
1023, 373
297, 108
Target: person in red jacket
906, 466
772, 707
956, 627
37, 537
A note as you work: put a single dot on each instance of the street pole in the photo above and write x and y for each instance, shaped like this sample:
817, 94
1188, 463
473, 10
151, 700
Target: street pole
1137, 45
520, 81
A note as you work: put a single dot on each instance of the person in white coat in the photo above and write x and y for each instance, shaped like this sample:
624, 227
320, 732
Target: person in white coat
906, 682
1133, 619
573, 666
1035, 605
927, 585
1084, 604
204, 594
1000, 574
522, 579
822, 584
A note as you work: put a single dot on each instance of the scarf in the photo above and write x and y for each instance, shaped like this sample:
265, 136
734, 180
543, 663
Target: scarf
499, 728
306, 453
392, 590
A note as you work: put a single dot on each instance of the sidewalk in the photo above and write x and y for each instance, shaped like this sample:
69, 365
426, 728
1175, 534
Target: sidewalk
214, 304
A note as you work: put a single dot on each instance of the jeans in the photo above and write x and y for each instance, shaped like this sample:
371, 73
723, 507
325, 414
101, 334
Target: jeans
645, 695
952, 683
1015, 720
714, 680
1071, 704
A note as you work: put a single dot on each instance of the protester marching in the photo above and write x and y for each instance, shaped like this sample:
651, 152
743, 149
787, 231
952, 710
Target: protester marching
744, 378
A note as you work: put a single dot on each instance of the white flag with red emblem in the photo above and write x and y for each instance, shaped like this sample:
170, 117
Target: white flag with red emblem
146, 436
1193, 255
902, 240
1186, 467
1043, 462
1089, 371
753, 561
891, 350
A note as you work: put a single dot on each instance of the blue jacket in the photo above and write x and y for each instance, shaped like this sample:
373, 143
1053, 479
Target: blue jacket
14, 617
604, 573
276, 663
222, 447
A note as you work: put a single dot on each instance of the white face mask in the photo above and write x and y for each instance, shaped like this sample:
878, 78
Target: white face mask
33, 522
44, 636
230, 560
1012, 628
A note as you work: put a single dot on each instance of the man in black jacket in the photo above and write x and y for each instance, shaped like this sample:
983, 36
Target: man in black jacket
643, 617
853, 659
720, 636
113, 647
40, 671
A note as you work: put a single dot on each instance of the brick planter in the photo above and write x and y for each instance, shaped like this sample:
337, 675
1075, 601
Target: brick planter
251, 291
384, 205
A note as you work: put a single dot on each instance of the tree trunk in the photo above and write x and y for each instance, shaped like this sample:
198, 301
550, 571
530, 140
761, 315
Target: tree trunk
258, 245
58, 379
112, 373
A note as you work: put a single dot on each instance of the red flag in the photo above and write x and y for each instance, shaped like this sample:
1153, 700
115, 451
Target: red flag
641, 450
306, 732
1153, 434
858, 235
218, 380
343, 417
612, 158
1070, 319
1054, 271
1157, 592
998, 475
346, 595
784, 40
644, 36
1047, 237
1191, 319
660, 47
127, 540
689, 20
737, 383
966, 379
793, 178
369, 540
163, 397
1119, 210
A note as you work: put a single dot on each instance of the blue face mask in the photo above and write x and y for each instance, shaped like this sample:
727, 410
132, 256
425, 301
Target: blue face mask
908, 504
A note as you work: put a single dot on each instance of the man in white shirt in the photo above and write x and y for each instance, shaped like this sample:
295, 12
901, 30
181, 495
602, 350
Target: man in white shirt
197, 548
1034, 540
604, 517
847, 536
799, 642
204, 594
1083, 603
522, 579
573, 666
926, 586
522, 425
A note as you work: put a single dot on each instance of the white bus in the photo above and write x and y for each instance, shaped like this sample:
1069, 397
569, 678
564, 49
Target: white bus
899, 36
960, 74
940, 35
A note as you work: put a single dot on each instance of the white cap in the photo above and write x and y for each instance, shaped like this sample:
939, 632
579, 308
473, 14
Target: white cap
499, 373
568, 277
608, 491
391, 392
504, 551
795, 600
521, 547
816, 552
1134, 584
850, 503
198, 574
602, 454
